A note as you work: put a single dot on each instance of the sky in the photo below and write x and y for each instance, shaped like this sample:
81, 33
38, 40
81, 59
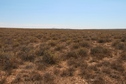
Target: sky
76, 14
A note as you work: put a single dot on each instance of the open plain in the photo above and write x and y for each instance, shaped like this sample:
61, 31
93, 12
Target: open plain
59, 56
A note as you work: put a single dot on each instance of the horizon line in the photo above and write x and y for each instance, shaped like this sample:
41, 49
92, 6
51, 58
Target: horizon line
59, 28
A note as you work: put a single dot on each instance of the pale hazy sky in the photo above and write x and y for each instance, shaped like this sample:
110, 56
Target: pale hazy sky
63, 13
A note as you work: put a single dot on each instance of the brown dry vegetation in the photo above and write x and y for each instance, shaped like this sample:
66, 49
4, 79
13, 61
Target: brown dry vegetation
29, 56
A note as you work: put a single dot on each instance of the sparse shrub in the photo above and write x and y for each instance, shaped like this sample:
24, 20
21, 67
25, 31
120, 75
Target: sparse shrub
123, 39
0, 45
7, 61
83, 52
41, 66
27, 77
33, 39
39, 63
67, 72
76, 40
56, 71
52, 43
71, 54
117, 66
101, 41
86, 73
45, 60
75, 46
93, 67
29, 56
100, 52
36, 76
16, 44
104, 40
106, 70
48, 78
26, 48
39, 36
85, 44
123, 56
63, 39
49, 58
2, 81
98, 80
93, 38
114, 75
41, 49
54, 38
68, 42
115, 43
76, 63
83, 70
105, 63
71, 62
119, 45
59, 47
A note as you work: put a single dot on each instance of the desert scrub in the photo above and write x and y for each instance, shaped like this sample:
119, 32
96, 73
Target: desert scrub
46, 60
0, 45
104, 40
83, 52
71, 54
7, 61
39, 51
100, 52
117, 66
26, 48
123, 39
27, 77
49, 58
26, 56
104, 64
68, 42
52, 43
98, 80
56, 71
123, 57
33, 39
59, 47
67, 72
72, 62
119, 45
2, 81
16, 44
83, 70
85, 44
76, 62
39, 36
48, 79
75, 46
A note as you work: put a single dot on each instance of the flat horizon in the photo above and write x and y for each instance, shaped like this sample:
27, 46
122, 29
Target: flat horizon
64, 28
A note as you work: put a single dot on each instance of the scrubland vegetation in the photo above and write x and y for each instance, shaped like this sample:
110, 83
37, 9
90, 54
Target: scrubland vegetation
34, 56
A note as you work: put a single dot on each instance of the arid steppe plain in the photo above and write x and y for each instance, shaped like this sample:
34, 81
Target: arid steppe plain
59, 56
